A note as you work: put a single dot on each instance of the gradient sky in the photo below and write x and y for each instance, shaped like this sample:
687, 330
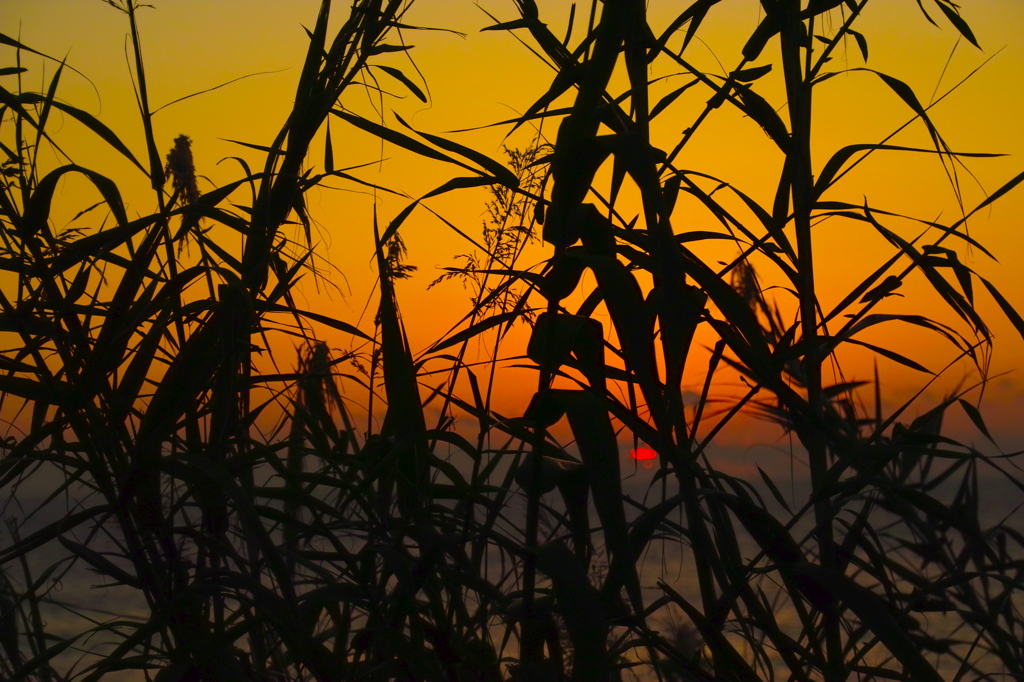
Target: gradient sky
486, 77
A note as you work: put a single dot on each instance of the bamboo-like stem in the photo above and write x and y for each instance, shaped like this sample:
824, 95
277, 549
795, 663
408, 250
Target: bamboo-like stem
798, 160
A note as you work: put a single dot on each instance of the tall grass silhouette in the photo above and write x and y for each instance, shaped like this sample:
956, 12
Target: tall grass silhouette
351, 543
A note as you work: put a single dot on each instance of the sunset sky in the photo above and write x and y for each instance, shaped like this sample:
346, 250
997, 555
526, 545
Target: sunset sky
480, 78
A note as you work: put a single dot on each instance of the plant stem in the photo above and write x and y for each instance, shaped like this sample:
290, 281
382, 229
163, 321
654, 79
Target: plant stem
798, 92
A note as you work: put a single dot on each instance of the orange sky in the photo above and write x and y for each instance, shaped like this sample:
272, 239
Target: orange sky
486, 77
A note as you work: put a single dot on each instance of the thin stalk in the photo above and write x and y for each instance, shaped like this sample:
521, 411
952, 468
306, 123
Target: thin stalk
532, 642
37, 635
156, 172
798, 158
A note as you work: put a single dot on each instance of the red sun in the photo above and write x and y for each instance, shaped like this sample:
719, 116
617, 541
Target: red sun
643, 454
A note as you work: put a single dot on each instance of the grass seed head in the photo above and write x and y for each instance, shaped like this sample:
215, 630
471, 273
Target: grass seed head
181, 170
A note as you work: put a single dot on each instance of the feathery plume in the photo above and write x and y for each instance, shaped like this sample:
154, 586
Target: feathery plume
182, 171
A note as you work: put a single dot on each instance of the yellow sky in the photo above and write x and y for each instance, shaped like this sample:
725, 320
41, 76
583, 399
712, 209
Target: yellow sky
486, 77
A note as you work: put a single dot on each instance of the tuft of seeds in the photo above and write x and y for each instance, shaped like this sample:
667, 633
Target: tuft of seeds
181, 170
